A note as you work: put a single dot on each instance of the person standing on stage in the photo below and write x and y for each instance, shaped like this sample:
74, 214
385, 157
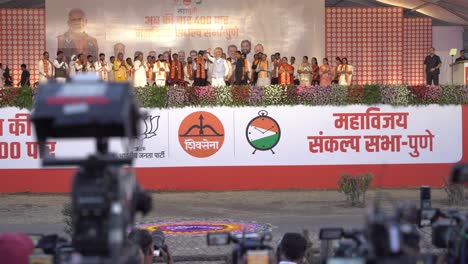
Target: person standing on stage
432, 65
25, 75
129, 66
80, 64
246, 68
336, 74
293, 65
177, 69
45, 68
61, 67
139, 67
346, 72
239, 70
188, 71
263, 71
1, 76
285, 71
102, 67
200, 67
257, 59
315, 72
182, 58
111, 67
304, 70
150, 70
72, 66
161, 68
229, 63
120, 71
90, 67
462, 56
325, 73
220, 68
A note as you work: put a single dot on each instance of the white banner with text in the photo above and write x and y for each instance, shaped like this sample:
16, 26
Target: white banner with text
263, 136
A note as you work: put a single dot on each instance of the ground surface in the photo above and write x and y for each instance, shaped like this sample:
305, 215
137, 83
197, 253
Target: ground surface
286, 211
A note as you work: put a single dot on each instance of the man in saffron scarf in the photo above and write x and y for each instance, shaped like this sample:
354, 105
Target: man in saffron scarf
188, 71
120, 70
200, 67
45, 68
177, 69
149, 70
161, 68
220, 68
263, 70
102, 67
285, 72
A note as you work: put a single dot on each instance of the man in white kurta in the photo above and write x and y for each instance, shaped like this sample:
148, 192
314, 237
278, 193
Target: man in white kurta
220, 68
90, 65
161, 68
45, 68
139, 79
102, 67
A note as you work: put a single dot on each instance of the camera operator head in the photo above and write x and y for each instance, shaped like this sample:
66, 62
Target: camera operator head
131, 254
144, 240
15, 248
292, 248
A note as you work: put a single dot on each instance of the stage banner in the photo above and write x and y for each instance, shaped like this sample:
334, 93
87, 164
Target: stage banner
293, 27
270, 136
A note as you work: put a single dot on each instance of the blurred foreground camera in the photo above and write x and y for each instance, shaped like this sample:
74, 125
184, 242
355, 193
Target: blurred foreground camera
105, 195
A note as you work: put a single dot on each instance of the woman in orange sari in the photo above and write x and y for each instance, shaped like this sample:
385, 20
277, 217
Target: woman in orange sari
325, 73
315, 72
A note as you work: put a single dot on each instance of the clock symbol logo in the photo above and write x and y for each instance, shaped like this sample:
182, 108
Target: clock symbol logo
263, 132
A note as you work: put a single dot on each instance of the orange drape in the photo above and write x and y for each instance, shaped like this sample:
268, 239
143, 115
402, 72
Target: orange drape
285, 77
46, 66
189, 71
201, 73
177, 70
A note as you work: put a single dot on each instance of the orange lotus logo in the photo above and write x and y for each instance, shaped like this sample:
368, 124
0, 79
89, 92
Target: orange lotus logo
201, 134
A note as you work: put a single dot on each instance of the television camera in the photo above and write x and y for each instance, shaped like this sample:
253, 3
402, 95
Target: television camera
105, 194
249, 248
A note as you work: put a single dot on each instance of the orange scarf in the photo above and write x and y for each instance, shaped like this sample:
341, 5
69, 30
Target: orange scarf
176, 70
46, 66
149, 72
263, 65
285, 77
201, 73
163, 66
246, 66
189, 71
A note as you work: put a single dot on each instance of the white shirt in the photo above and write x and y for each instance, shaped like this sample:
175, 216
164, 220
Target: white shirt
60, 65
226, 64
98, 67
90, 67
160, 74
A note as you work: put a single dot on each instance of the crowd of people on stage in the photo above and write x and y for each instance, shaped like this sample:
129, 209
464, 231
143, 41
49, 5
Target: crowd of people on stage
199, 69
203, 68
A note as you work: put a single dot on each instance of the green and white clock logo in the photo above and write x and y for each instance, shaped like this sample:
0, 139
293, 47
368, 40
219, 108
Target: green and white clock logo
263, 132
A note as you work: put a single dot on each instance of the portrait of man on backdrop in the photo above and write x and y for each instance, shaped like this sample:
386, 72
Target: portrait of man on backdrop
76, 40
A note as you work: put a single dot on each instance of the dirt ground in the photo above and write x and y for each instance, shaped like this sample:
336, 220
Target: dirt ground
286, 211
